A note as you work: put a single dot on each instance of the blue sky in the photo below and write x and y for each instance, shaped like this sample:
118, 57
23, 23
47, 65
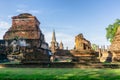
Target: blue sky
67, 17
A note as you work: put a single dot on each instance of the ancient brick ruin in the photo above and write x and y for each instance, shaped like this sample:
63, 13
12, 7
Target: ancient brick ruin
83, 51
115, 46
26, 26
54, 44
59, 53
81, 43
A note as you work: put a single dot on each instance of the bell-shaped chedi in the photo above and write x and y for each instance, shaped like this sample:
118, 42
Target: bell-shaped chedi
81, 43
24, 26
61, 45
115, 46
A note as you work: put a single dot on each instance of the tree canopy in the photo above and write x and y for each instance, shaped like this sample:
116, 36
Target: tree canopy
112, 29
94, 46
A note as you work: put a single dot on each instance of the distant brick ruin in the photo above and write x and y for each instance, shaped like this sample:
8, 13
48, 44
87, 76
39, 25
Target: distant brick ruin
55, 45
83, 51
81, 43
59, 53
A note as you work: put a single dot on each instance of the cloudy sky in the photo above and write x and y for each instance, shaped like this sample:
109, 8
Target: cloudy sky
67, 17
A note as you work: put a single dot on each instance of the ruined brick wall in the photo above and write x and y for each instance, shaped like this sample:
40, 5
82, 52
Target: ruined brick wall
81, 43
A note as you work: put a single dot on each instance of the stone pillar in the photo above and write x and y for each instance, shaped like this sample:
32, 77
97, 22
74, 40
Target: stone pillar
53, 49
67, 48
97, 48
103, 47
108, 48
100, 52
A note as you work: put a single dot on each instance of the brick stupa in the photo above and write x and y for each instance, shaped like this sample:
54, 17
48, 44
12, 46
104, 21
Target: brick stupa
25, 26
115, 47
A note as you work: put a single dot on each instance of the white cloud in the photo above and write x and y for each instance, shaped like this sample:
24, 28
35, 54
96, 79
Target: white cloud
34, 11
67, 39
10, 16
99, 40
23, 8
4, 26
28, 11
21, 11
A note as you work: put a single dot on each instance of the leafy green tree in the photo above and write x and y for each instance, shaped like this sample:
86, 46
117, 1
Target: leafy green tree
94, 46
112, 29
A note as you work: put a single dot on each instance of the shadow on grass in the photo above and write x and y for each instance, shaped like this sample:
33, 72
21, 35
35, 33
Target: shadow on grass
58, 74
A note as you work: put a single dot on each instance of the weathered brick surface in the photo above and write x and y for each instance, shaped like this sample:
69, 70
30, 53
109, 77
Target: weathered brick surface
24, 26
81, 43
115, 46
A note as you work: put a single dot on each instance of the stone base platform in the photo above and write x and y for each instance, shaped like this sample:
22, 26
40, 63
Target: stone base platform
61, 65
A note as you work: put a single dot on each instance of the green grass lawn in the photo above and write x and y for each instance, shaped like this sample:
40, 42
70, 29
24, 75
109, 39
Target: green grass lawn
58, 74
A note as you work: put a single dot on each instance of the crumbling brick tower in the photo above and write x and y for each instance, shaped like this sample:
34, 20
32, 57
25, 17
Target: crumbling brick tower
81, 43
25, 26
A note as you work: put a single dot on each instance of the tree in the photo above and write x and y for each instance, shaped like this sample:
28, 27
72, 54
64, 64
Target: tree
112, 29
94, 46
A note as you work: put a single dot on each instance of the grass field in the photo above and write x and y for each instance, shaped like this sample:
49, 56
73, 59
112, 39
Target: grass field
58, 74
